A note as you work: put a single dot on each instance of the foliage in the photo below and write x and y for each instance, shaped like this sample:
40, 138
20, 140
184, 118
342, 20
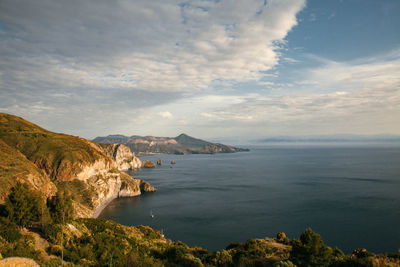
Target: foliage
23, 205
310, 250
9, 230
60, 207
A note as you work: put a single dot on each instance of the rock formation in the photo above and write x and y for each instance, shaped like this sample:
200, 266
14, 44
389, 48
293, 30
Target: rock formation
148, 164
124, 158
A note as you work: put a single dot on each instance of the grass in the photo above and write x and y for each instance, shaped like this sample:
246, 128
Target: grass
61, 156
14, 166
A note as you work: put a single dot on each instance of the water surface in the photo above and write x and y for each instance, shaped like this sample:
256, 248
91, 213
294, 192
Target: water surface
348, 194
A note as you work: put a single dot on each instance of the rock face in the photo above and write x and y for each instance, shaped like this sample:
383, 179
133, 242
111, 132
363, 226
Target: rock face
124, 158
105, 182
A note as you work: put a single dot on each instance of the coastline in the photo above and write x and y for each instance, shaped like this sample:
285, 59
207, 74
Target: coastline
107, 201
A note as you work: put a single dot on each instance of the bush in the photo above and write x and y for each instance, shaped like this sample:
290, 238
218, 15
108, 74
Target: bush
52, 232
222, 258
310, 250
23, 205
60, 207
9, 230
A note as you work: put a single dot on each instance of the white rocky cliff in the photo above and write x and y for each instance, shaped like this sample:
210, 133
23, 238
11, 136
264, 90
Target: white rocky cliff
124, 158
104, 180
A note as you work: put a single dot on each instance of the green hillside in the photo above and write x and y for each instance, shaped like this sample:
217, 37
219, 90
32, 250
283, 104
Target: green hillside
61, 156
14, 166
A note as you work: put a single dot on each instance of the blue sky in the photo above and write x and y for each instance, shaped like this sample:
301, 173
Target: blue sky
239, 70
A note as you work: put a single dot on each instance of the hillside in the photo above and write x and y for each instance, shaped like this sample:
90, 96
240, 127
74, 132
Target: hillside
49, 161
99, 242
182, 144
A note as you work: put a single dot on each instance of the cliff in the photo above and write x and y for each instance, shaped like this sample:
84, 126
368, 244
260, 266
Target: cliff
182, 144
48, 161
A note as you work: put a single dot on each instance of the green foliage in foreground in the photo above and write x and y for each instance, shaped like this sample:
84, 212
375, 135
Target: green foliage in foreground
60, 206
100, 242
23, 205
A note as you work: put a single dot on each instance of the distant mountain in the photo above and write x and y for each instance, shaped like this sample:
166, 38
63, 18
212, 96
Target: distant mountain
182, 144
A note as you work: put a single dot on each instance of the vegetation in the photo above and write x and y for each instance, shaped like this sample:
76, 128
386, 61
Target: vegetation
23, 205
310, 250
61, 156
60, 207
100, 242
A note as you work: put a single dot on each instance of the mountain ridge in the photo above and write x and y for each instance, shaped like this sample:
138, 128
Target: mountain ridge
181, 144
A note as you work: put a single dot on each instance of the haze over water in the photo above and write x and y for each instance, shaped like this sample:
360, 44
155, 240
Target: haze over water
349, 194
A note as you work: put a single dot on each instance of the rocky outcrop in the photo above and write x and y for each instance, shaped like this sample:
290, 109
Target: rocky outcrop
18, 261
148, 164
146, 187
123, 157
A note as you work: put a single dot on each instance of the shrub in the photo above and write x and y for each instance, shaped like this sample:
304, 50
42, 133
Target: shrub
223, 258
9, 230
310, 250
23, 205
60, 207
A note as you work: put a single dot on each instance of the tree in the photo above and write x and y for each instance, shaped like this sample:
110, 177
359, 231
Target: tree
310, 250
60, 207
23, 205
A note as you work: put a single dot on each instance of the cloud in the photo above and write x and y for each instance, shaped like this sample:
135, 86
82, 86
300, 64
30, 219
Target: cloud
362, 96
149, 45
98, 60
165, 114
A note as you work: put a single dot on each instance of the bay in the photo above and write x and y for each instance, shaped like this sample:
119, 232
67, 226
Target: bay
347, 193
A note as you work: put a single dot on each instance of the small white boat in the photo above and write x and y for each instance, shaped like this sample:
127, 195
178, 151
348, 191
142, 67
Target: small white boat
162, 233
151, 214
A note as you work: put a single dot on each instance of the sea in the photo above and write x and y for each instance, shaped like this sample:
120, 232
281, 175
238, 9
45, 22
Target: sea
348, 193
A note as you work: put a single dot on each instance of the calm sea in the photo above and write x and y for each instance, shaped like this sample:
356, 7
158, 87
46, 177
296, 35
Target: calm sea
348, 194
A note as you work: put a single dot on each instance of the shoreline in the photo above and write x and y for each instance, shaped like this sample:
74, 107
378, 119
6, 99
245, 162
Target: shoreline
103, 205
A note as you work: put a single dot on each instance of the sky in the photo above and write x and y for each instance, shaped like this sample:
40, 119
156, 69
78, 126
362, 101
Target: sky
238, 70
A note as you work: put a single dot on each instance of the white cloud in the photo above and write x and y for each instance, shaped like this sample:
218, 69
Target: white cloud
148, 45
166, 114
360, 96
